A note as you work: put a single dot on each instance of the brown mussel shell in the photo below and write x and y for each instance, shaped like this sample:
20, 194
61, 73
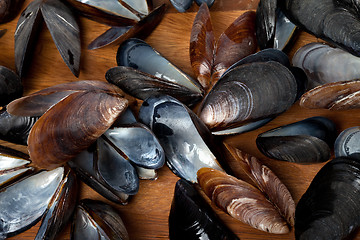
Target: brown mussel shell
77, 116
333, 96
210, 60
242, 201
9, 9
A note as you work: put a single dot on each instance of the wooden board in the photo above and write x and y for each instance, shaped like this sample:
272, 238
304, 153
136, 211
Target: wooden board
146, 215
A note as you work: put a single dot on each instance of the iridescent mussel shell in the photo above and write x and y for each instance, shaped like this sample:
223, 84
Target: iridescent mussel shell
13, 164
106, 171
184, 138
26, 201
306, 141
329, 208
192, 218
347, 143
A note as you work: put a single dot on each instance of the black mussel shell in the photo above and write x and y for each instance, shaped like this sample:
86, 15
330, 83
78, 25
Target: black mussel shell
15, 129
106, 171
265, 23
25, 202
192, 218
10, 86
9, 9
184, 138
142, 85
306, 141
97, 220
61, 209
330, 208
347, 143
138, 54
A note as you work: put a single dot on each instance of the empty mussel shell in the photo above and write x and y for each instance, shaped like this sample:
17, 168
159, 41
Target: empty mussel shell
13, 164
322, 64
138, 144
210, 59
111, 12
63, 28
347, 143
60, 209
182, 135
306, 141
138, 54
106, 171
10, 86
242, 201
329, 208
143, 28
97, 220
24, 203
142, 85
192, 218
333, 96
248, 93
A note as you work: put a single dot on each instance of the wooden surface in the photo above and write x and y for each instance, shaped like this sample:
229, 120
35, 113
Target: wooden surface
146, 215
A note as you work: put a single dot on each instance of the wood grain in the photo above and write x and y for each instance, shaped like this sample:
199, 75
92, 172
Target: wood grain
146, 215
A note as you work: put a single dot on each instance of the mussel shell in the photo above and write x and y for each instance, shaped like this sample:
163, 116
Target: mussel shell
306, 141
347, 143
181, 5
15, 129
192, 218
61, 209
265, 180
2, 32
9, 9
182, 135
329, 208
333, 96
266, 23
142, 85
284, 31
138, 54
325, 20
322, 64
10, 86
13, 164
86, 115
242, 201
24, 203
139, 145
110, 12
26, 33
106, 171
97, 220
248, 93
142, 29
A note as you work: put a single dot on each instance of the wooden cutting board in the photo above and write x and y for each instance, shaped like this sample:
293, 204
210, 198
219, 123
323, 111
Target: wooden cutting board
146, 215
